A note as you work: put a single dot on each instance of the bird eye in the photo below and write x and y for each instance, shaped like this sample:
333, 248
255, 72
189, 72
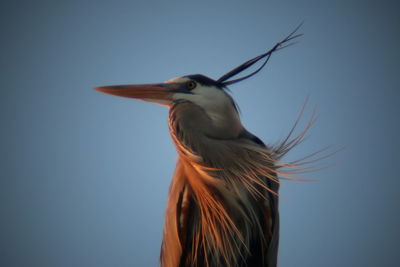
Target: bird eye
191, 85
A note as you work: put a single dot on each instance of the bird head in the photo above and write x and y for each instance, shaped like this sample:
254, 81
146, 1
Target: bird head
200, 92
195, 88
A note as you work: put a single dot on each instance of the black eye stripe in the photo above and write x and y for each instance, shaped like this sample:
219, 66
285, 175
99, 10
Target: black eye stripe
203, 80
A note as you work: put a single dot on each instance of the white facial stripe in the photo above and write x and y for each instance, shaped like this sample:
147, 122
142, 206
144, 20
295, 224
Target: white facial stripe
212, 99
177, 80
204, 96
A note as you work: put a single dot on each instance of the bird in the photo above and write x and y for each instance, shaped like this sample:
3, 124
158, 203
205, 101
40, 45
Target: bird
223, 201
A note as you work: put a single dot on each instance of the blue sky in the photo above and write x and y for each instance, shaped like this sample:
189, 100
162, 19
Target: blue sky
84, 176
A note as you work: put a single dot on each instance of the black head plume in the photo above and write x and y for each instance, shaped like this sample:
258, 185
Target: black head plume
282, 44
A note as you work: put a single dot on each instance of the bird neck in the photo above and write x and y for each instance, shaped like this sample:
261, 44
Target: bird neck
219, 122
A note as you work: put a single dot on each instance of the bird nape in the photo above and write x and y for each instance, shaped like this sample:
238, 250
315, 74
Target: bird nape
223, 201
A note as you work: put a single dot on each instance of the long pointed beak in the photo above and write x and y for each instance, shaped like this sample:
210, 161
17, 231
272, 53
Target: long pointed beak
159, 92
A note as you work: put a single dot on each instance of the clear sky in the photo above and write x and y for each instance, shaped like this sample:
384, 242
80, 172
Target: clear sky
84, 176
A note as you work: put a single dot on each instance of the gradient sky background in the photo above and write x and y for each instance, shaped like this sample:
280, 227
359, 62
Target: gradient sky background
84, 176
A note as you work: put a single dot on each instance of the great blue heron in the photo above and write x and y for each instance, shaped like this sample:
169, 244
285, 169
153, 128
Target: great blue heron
223, 205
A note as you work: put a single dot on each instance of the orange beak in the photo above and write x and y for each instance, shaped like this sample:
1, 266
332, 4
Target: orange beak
158, 93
